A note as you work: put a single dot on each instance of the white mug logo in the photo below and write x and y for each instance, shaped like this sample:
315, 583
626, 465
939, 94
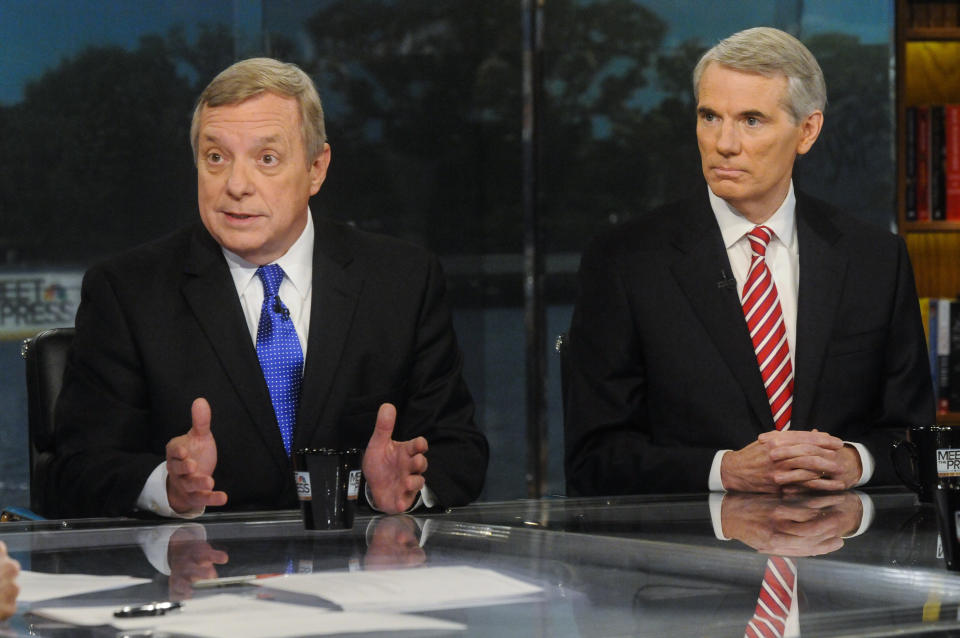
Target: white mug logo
303, 485
948, 462
353, 484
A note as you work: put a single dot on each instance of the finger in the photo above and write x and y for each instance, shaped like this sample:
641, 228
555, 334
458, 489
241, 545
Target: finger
176, 450
815, 463
200, 417
413, 484
190, 483
205, 498
383, 430
785, 452
416, 446
179, 468
418, 464
793, 437
803, 476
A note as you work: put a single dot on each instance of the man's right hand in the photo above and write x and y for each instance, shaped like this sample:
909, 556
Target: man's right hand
191, 459
787, 459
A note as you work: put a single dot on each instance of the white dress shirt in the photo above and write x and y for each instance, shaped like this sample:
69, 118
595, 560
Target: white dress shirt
783, 260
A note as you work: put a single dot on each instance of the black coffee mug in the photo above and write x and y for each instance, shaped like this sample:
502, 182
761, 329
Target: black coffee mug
929, 457
328, 485
946, 498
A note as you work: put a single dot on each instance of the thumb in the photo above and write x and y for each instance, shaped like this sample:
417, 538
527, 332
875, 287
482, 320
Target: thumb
383, 431
200, 417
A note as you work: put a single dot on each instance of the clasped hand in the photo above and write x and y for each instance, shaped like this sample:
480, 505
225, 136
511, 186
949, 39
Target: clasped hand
393, 469
789, 461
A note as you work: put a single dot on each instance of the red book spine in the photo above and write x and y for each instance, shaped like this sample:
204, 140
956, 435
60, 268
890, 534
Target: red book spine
952, 164
923, 163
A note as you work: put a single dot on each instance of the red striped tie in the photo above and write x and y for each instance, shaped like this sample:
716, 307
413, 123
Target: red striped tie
761, 308
773, 604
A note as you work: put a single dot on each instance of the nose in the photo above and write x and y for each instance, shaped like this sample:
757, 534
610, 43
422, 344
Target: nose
239, 184
728, 140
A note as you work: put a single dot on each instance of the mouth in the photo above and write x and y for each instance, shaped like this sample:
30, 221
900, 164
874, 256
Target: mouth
727, 171
238, 216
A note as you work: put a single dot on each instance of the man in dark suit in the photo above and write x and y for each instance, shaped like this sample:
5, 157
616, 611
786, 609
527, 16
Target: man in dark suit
165, 406
750, 338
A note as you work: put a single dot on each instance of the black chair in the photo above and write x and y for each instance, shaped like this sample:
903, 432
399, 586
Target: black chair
46, 358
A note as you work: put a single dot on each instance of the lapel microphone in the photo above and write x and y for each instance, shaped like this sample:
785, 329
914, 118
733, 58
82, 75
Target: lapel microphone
726, 282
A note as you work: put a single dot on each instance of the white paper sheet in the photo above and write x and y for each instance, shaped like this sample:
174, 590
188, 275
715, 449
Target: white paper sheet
417, 589
36, 586
240, 616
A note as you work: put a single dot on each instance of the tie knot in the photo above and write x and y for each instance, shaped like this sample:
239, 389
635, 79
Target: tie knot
759, 238
270, 276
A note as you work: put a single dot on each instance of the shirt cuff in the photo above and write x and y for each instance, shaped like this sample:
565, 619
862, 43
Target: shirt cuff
716, 506
714, 483
866, 462
153, 496
426, 498
868, 513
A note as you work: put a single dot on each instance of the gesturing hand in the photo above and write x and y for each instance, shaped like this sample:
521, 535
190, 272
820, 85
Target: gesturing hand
191, 459
393, 469
9, 589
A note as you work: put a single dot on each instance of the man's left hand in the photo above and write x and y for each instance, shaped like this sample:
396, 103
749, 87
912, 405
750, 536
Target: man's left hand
802, 463
393, 469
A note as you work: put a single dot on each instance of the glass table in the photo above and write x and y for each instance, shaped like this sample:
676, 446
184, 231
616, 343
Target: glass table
868, 564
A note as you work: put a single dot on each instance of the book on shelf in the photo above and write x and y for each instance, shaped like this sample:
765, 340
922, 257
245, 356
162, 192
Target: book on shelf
937, 153
953, 402
943, 356
941, 324
933, 13
952, 160
922, 159
932, 162
910, 160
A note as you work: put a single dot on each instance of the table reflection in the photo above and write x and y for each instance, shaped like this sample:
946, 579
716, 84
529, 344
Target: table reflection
794, 525
867, 563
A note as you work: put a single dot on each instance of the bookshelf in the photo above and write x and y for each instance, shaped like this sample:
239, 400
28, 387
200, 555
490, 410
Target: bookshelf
928, 73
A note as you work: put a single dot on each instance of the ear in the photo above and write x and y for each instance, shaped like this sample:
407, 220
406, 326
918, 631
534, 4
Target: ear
318, 169
810, 128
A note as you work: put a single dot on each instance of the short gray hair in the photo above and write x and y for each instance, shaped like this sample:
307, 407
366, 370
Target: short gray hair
771, 52
248, 78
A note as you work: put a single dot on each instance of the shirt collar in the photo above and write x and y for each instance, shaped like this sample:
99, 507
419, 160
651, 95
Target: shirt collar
733, 225
297, 263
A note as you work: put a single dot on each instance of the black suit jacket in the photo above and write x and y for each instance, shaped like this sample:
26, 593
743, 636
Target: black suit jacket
661, 373
161, 325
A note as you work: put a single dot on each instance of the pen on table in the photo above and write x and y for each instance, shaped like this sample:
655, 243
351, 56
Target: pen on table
148, 609
227, 581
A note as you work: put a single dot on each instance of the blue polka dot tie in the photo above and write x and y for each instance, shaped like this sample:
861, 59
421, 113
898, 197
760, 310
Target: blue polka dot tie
278, 349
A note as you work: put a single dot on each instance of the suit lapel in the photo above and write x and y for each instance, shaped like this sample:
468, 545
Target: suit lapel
336, 291
701, 266
211, 295
822, 270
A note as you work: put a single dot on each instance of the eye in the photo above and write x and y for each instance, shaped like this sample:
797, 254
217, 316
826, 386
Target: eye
709, 117
214, 157
269, 159
753, 122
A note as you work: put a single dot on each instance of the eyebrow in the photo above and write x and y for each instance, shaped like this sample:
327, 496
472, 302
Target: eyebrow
267, 140
706, 110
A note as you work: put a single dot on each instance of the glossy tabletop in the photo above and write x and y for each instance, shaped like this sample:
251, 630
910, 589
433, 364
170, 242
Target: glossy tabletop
867, 564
